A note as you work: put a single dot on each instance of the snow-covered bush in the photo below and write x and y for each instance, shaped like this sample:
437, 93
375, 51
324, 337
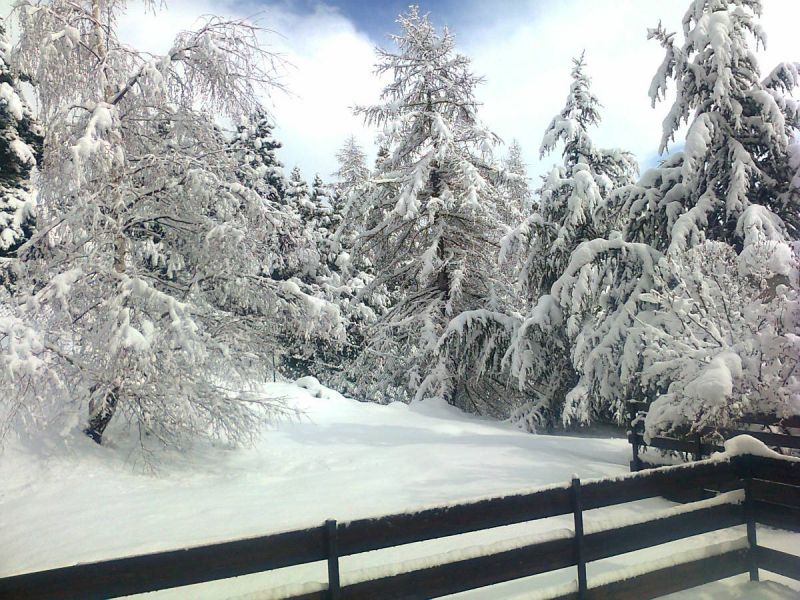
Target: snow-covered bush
720, 339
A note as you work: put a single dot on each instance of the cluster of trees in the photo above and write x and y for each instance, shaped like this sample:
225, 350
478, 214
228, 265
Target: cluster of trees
169, 266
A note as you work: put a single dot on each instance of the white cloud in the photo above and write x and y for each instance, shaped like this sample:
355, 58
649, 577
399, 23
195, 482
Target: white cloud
523, 48
526, 58
328, 69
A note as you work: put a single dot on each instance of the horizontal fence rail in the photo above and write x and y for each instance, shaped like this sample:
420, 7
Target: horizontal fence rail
771, 496
706, 441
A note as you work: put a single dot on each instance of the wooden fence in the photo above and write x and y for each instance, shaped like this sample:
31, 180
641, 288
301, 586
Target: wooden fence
771, 495
703, 443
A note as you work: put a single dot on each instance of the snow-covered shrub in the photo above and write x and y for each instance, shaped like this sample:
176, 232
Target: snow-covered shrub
720, 339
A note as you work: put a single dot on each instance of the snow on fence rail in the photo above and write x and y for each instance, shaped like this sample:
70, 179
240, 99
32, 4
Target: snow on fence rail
771, 493
705, 442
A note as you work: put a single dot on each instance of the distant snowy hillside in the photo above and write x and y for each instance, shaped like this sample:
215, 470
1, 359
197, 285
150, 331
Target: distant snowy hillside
342, 459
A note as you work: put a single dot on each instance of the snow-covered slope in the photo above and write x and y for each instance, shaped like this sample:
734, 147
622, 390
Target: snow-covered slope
342, 459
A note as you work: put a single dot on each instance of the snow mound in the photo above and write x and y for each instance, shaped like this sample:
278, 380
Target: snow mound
747, 444
316, 389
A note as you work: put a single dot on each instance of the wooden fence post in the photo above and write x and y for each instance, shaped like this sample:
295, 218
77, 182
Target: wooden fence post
633, 414
750, 517
334, 586
698, 446
580, 554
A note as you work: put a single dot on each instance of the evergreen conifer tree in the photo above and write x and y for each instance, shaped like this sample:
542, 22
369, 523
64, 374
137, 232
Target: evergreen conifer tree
515, 186
433, 206
734, 173
20, 151
256, 146
565, 217
634, 300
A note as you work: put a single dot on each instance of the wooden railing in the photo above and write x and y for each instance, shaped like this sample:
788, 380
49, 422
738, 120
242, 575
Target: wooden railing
706, 441
769, 493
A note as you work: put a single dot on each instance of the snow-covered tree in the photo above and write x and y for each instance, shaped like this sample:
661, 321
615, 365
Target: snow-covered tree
20, 151
353, 171
571, 193
350, 189
433, 205
732, 184
142, 295
255, 147
298, 197
565, 216
735, 167
322, 200
514, 186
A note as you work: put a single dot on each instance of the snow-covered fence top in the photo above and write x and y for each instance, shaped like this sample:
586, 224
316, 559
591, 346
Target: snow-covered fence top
762, 487
708, 440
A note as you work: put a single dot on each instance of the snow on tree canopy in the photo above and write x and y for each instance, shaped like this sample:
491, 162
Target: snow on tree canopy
737, 147
433, 219
157, 310
568, 212
20, 151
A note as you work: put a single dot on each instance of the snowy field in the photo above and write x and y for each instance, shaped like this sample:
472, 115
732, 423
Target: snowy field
342, 459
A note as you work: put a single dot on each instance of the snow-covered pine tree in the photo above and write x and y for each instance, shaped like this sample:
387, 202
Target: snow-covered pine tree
322, 201
732, 184
568, 201
351, 179
298, 197
571, 193
434, 208
734, 171
141, 295
515, 186
353, 171
253, 149
20, 151
256, 146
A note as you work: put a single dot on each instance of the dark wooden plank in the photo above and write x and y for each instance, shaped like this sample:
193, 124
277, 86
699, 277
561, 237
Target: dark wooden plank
604, 544
688, 445
657, 482
675, 578
162, 570
320, 595
467, 574
778, 516
778, 562
776, 469
791, 421
638, 406
372, 534
776, 493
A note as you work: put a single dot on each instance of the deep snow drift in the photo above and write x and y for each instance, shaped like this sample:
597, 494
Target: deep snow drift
77, 502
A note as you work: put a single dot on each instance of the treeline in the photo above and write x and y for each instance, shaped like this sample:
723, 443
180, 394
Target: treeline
168, 266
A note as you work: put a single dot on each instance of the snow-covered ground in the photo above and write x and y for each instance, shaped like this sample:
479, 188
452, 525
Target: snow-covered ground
63, 504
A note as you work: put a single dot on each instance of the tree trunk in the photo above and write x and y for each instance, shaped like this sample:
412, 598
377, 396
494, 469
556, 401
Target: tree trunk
100, 416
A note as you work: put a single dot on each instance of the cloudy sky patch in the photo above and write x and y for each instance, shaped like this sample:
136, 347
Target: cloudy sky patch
522, 48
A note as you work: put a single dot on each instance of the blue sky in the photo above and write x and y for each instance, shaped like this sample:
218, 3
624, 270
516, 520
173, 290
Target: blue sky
522, 48
377, 19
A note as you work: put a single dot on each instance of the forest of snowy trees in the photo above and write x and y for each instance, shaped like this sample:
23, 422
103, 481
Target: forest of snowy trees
157, 263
